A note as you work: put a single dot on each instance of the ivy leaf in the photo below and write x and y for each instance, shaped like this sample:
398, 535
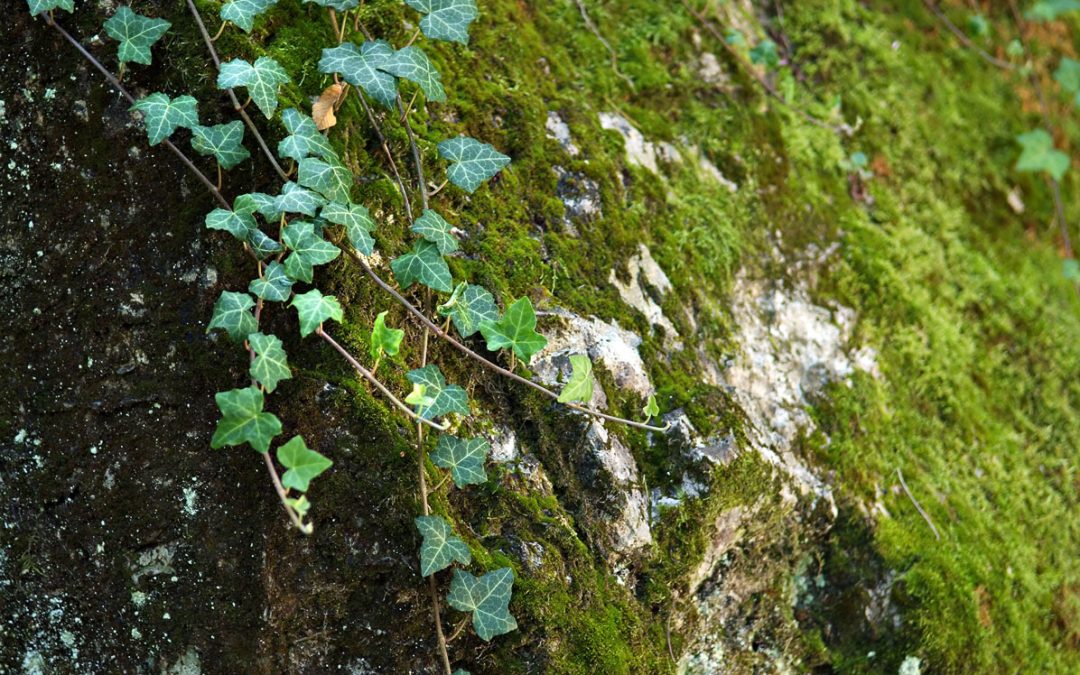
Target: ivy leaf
357, 221
473, 162
308, 250
237, 223
413, 64
302, 463
270, 364
258, 202
418, 396
243, 420
432, 227
330, 179
464, 458
651, 409
580, 385
274, 285
384, 340
469, 307
304, 138
262, 245
446, 398
314, 308
243, 12
295, 199
765, 53
487, 597
232, 312
1068, 76
339, 5
361, 68
423, 264
40, 6
446, 19
441, 546
1048, 10
262, 80
136, 34
223, 141
162, 115
516, 329
1039, 154
735, 38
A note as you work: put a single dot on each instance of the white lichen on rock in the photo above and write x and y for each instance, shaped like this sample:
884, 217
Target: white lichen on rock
645, 273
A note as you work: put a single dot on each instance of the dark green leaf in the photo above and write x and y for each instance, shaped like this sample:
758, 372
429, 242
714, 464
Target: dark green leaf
237, 223
243, 420
304, 138
487, 597
162, 115
357, 221
223, 141
232, 312
441, 546
432, 227
314, 308
464, 458
243, 12
361, 68
274, 286
262, 245
330, 179
270, 364
469, 307
295, 199
472, 162
261, 79
423, 264
446, 398
308, 250
412, 64
41, 6
136, 33
446, 19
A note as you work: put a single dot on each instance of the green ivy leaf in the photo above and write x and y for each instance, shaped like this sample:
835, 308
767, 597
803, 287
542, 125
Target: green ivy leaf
446, 19
765, 53
432, 227
308, 249
1068, 76
446, 398
978, 26
362, 68
1039, 154
303, 464
1071, 270
423, 264
330, 179
243, 12
223, 141
339, 5
295, 199
41, 6
270, 364
487, 597
274, 285
412, 64
580, 385
469, 307
1048, 10
237, 223
734, 38
357, 221
243, 420
232, 313
136, 34
516, 329
261, 79
472, 162
464, 458
162, 115
651, 409
314, 308
262, 245
441, 546
304, 138
258, 202
384, 341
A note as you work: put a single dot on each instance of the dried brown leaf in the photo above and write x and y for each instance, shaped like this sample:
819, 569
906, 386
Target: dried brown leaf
323, 109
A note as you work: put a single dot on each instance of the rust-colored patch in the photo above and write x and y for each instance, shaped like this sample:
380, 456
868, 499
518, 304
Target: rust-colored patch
982, 597
1067, 613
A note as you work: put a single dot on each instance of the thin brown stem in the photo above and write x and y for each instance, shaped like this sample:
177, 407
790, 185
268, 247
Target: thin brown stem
413, 38
306, 528
965, 40
438, 189
415, 153
219, 31
386, 150
333, 20
458, 630
607, 45
408, 108
918, 507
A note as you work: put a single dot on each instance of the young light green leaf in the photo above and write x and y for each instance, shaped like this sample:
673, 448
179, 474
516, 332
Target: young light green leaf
303, 464
330, 179
516, 330
162, 115
304, 138
1048, 10
446, 19
651, 409
412, 64
445, 398
295, 199
223, 141
1039, 154
243, 12
423, 264
361, 68
232, 313
136, 34
314, 308
41, 6
262, 245
357, 221
308, 249
262, 80
487, 597
472, 162
301, 505
765, 53
243, 420
274, 285
464, 458
469, 307
237, 223
431, 226
384, 341
270, 364
1068, 76
418, 396
441, 546
580, 385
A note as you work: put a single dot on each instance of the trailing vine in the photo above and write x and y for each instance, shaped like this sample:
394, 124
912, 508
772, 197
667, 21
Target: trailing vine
310, 222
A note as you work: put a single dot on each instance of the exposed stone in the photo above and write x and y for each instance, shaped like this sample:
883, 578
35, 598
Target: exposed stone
644, 273
558, 130
638, 150
580, 196
628, 531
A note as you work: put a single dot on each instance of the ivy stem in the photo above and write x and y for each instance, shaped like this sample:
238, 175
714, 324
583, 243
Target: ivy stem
333, 20
386, 150
964, 39
131, 99
232, 95
413, 38
415, 152
280, 489
219, 31
408, 108
438, 189
376, 383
